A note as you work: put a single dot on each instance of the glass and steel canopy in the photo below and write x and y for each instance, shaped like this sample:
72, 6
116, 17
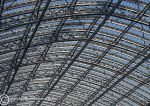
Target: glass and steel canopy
75, 52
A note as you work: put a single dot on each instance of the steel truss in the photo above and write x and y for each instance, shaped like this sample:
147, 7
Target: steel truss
16, 62
75, 53
99, 60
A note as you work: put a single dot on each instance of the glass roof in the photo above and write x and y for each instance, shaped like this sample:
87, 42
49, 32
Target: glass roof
75, 52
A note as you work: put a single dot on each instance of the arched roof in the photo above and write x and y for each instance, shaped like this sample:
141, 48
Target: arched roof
75, 52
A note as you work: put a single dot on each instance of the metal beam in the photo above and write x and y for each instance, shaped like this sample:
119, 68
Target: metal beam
86, 43
77, 15
147, 80
139, 16
144, 51
116, 41
74, 51
53, 38
16, 66
2, 2
120, 79
121, 7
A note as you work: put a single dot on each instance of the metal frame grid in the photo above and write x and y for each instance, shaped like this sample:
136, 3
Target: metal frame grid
75, 52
